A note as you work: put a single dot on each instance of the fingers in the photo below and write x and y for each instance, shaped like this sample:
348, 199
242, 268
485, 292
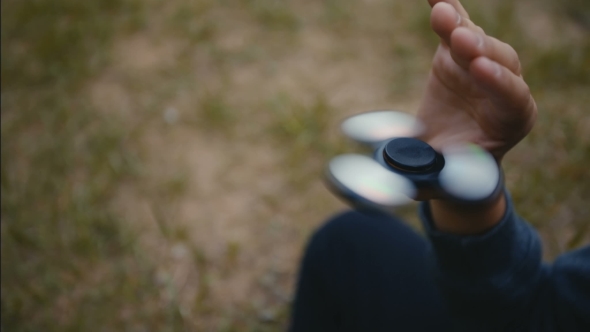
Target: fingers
468, 41
468, 45
506, 90
455, 3
444, 19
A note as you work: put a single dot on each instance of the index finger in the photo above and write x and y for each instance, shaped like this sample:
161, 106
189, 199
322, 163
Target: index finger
455, 3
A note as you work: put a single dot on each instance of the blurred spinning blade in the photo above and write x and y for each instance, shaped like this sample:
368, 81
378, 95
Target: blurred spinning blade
364, 177
470, 173
378, 126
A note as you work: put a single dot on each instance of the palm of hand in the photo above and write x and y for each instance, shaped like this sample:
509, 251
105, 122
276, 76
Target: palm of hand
456, 109
475, 92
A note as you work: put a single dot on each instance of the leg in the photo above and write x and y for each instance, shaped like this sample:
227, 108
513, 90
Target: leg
367, 273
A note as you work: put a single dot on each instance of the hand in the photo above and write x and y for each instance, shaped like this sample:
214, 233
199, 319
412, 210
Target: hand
475, 93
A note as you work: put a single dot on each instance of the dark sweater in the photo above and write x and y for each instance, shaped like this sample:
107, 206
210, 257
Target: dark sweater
497, 281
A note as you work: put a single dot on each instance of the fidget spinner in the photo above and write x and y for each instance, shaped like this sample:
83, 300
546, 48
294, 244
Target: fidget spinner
401, 165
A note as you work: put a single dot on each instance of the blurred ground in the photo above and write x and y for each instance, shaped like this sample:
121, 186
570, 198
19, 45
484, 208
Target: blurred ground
161, 160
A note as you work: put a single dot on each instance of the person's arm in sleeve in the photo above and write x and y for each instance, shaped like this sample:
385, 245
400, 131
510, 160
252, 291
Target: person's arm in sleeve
494, 278
491, 269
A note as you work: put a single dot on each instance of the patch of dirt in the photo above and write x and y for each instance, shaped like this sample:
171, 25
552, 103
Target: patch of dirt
237, 210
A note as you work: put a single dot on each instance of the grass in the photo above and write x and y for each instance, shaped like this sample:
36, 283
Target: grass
190, 19
68, 262
274, 15
215, 113
71, 261
303, 133
49, 40
338, 15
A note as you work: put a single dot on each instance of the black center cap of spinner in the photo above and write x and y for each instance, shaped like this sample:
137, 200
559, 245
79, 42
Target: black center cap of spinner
409, 154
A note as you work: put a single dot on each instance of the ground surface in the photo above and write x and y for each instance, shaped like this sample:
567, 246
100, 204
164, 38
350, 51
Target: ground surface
161, 160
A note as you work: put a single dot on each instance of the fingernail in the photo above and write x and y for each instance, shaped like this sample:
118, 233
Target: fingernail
458, 17
497, 69
478, 40
494, 67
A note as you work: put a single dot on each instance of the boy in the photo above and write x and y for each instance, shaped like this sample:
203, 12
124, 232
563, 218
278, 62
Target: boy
481, 269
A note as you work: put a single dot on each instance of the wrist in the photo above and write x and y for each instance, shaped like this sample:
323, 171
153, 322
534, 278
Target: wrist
466, 218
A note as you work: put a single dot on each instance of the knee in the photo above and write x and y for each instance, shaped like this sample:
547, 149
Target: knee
352, 229
354, 223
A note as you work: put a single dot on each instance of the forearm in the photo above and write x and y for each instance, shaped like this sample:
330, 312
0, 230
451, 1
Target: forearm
495, 280
488, 278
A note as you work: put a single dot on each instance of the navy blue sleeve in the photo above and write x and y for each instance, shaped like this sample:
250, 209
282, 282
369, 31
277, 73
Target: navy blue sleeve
497, 281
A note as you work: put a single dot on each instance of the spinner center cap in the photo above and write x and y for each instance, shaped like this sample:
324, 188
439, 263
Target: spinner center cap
409, 154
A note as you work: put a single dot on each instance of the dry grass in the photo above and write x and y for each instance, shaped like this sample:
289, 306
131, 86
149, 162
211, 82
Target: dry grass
161, 160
